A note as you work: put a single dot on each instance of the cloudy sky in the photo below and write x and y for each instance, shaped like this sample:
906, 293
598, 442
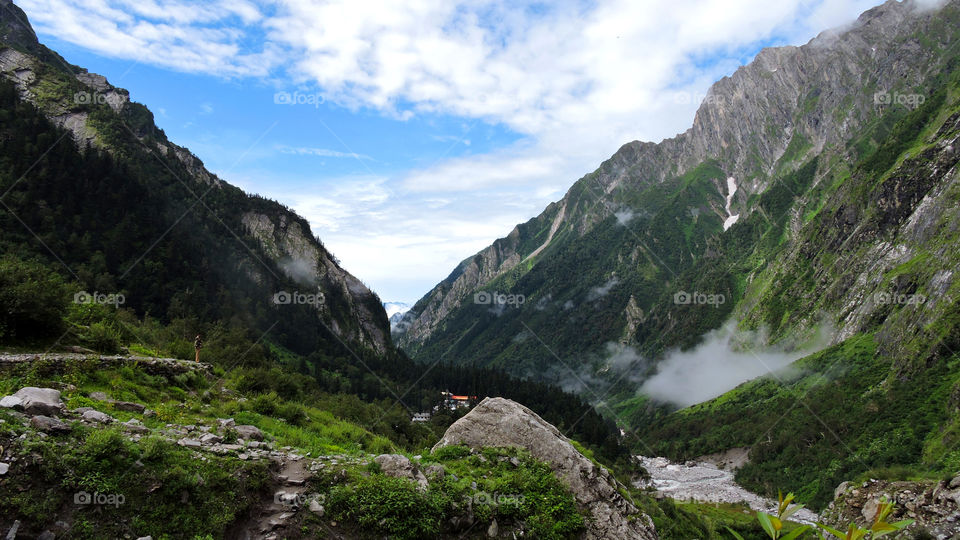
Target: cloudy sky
412, 133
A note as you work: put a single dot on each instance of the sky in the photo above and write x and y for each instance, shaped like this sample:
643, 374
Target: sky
413, 133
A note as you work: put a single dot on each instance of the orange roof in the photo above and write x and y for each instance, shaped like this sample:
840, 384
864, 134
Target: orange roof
461, 398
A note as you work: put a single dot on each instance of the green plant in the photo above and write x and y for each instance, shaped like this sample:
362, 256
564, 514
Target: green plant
774, 525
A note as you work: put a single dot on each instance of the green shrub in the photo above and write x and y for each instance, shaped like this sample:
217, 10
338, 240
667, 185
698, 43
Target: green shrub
389, 506
33, 301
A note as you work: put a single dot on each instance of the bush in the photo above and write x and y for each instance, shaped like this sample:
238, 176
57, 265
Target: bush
33, 301
389, 506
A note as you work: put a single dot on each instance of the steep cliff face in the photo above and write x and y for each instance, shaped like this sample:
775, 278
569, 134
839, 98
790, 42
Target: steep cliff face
267, 244
658, 219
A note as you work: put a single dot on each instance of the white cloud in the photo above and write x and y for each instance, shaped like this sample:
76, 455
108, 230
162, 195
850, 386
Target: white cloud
321, 152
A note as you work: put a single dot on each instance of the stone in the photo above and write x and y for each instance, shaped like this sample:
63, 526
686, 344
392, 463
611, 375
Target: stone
504, 423
49, 425
841, 489
99, 396
129, 406
134, 426
4, 467
46, 535
870, 509
493, 530
40, 401
189, 443
398, 466
226, 423
145, 538
435, 471
955, 483
210, 438
97, 416
249, 432
316, 508
11, 402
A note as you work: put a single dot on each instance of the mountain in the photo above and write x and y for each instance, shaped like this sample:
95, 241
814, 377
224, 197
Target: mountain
813, 203
143, 218
395, 308
710, 211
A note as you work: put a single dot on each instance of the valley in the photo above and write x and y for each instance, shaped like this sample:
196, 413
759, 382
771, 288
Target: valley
748, 330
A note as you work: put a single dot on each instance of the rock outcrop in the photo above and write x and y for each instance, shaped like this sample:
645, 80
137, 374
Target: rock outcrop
499, 422
935, 506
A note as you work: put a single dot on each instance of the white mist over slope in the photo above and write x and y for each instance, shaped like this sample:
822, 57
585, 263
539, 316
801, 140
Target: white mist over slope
725, 359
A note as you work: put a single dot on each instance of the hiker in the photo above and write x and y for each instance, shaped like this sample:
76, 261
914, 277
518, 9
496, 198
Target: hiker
198, 344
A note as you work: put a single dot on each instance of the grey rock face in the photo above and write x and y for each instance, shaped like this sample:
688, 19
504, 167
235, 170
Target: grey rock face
500, 422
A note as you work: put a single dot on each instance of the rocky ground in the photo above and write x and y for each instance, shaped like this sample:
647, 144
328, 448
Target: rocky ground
701, 481
935, 506
43, 410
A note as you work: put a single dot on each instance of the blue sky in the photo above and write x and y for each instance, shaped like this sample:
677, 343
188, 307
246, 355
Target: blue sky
427, 129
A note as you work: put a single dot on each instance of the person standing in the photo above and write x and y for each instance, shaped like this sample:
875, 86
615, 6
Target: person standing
197, 345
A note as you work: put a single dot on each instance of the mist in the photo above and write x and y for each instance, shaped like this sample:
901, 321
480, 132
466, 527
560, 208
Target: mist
724, 360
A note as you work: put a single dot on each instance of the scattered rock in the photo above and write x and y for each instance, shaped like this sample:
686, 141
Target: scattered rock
12, 533
97, 416
226, 423
505, 423
249, 432
399, 466
210, 438
435, 472
40, 401
190, 443
99, 396
134, 426
955, 483
129, 406
316, 508
49, 425
46, 535
4, 467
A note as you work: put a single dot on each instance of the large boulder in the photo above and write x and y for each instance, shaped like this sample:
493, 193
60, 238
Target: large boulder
39, 401
249, 432
500, 422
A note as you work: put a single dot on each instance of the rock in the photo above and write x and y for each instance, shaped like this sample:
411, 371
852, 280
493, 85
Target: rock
4, 467
46, 535
134, 426
145, 538
399, 466
12, 533
99, 396
129, 406
249, 432
190, 443
436, 472
11, 402
97, 416
869, 510
841, 489
316, 508
210, 438
500, 422
493, 530
40, 401
955, 483
226, 423
49, 425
